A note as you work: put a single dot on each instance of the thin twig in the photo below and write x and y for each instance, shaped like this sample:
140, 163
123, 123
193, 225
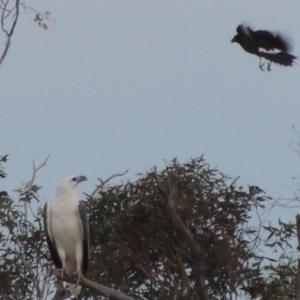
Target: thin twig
102, 183
35, 170
10, 33
46, 275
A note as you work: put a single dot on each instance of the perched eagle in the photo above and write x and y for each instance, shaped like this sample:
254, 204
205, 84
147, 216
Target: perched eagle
67, 231
266, 44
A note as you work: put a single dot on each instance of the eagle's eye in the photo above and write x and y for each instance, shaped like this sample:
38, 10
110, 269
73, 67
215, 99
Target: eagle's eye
74, 178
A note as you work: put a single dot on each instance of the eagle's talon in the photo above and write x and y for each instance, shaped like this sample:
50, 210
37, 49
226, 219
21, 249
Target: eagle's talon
62, 271
80, 276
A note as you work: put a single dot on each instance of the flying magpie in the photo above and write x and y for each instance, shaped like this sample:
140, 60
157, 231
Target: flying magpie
271, 46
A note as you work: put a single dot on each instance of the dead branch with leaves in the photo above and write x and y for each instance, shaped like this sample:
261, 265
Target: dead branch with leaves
10, 12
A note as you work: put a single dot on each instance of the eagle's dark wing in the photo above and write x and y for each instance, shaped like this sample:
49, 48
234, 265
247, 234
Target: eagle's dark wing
86, 236
51, 244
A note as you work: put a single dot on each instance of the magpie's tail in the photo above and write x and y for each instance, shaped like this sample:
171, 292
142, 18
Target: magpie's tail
281, 58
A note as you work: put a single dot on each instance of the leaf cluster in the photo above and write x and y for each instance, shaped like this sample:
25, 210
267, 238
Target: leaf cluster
24, 257
136, 248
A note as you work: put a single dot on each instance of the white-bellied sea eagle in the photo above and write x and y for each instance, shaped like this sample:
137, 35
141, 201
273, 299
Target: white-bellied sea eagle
67, 231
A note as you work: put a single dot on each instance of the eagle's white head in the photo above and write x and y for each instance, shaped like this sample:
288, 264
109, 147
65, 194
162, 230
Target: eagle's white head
67, 186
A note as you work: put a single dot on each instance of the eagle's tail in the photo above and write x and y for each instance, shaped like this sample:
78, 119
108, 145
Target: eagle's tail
74, 289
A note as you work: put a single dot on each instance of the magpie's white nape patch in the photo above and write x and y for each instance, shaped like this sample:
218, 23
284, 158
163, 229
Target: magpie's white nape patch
265, 44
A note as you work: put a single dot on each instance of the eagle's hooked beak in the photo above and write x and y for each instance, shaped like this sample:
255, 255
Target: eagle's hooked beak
81, 178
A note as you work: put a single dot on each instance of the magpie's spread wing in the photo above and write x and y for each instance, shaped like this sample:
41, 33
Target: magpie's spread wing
271, 41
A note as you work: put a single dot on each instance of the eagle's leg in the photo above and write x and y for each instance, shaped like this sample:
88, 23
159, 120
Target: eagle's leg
62, 271
269, 66
79, 257
62, 255
80, 276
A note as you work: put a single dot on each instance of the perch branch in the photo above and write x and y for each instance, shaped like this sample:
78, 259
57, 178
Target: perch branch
101, 289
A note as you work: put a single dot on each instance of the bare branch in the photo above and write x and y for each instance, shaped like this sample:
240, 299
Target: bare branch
35, 170
16, 16
10, 32
101, 289
102, 183
45, 282
10, 11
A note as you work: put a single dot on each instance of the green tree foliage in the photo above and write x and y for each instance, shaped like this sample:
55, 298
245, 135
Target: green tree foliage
24, 257
137, 248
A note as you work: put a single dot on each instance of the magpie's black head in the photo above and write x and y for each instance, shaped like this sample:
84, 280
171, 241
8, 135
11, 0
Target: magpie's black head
236, 39
244, 35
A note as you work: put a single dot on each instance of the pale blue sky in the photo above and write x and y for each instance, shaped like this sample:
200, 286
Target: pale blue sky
116, 85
